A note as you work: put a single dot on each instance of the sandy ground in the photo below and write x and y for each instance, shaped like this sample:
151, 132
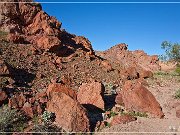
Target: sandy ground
163, 88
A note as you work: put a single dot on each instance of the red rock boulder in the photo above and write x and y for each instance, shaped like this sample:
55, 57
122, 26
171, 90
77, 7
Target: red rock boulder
145, 74
122, 119
178, 113
91, 94
129, 74
60, 88
137, 98
119, 99
84, 43
70, 115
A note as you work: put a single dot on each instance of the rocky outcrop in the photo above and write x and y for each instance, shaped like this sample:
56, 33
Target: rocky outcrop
168, 66
70, 115
28, 23
91, 95
131, 59
137, 98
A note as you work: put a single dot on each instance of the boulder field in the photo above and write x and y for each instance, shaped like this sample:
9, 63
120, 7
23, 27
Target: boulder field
44, 68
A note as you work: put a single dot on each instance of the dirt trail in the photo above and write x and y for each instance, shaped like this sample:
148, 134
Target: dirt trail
163, 88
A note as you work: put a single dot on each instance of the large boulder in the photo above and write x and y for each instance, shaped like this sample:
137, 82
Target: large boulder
138, 98
70, 115
60, 88
91, 95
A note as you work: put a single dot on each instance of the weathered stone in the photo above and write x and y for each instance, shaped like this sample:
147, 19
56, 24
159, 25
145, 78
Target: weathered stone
60, 88
129, 74
122, 119
70, 115
137, 98
119, 99
91, 95
145, 74
27, 108
178, 113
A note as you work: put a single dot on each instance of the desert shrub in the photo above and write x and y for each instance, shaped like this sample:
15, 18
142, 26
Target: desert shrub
136, 114
48, 117
177, 70
112, 114
11, 120
46, 128
107, 124
2, 33
161, 73
177, 94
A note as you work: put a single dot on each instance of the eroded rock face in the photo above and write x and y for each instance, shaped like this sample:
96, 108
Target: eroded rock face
85, 43
137, 98
28, 23
70, 115
91, 95
129, 59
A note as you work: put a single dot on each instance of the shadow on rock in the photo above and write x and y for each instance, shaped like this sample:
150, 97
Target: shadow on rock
109, 101
20, 76
94, 115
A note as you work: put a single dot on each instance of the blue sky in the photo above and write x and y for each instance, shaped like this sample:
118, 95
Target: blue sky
141, 26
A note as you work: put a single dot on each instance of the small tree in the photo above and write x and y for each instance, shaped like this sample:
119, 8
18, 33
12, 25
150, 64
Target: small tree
172, 51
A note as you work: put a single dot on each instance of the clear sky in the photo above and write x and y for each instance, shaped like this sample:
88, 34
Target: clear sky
141, 26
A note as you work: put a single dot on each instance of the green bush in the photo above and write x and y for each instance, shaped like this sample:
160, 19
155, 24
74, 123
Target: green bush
177, 70
11, 120
3, 34
161, 73
136, 114
47, 117
177, 94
